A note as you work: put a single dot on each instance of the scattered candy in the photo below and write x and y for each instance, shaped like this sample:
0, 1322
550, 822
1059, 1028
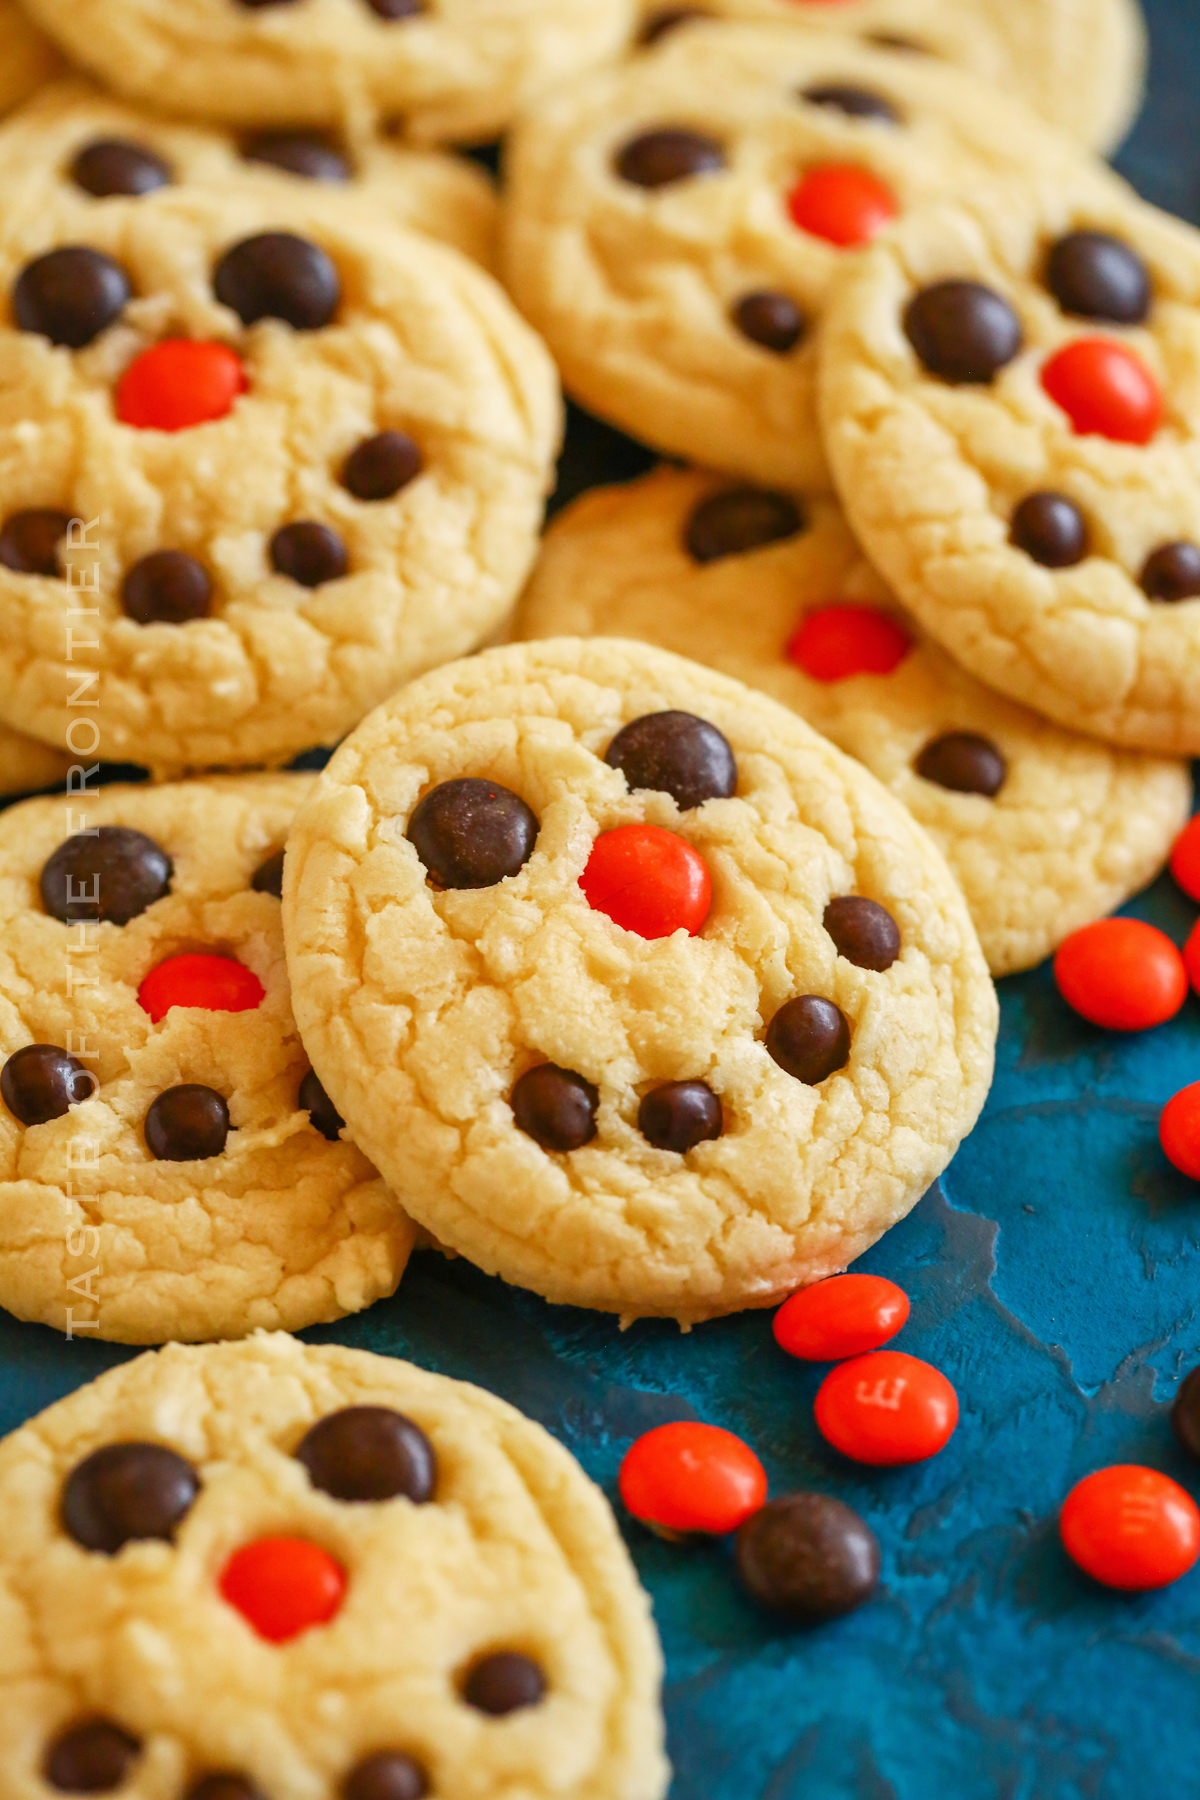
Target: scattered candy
1131, 1528
844, 1316
1179, 1130
1105, 390
216, 983
841, 641
887, 1409
808, 1557
648, 880
1185, 1414
843, 204
178, 384
1191, 957
283, 1586
1122, 974
690, 1477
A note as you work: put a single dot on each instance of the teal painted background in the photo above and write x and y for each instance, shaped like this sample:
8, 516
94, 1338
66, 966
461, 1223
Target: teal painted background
1055, 1278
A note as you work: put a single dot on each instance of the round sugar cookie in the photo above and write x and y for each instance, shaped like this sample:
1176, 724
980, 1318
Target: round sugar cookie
1011, 394
1045, 830
673, 227
1079, 63
451, 70
459, 1615
27, 58
594, 1020
169, 1168
73, 141
260, 463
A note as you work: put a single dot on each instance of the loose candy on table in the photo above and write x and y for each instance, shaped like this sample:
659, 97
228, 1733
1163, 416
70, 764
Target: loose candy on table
1185, 858
690, 1477
1179, 1130
1191, 957
1122, 974
887, 1409
1185, 1414
1131, 1528
808, 1557
842, 1317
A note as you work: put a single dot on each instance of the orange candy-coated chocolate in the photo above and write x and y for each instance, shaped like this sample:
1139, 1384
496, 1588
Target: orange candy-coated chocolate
1122, 974
844, 1316
692, 1477
1131, 1528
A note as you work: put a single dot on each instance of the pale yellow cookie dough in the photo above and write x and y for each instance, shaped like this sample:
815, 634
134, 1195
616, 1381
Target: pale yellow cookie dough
456, 70
27, 59
516, 1549
1080, 63
26, 765
931, 473
634, 288
445, 197
422, 1008
1076, 827
284, 1228
423, 342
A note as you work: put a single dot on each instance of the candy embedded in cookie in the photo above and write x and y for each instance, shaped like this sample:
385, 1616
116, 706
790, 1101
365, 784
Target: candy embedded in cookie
170, 1166
635, 1003
278, 1517
372, 493
1080, 67
1044, 829
1041, 370
674, 227
74, 143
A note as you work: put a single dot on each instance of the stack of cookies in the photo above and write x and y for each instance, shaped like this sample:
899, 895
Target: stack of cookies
637, 941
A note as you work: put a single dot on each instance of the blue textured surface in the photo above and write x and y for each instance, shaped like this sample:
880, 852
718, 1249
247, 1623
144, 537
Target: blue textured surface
1053, 1277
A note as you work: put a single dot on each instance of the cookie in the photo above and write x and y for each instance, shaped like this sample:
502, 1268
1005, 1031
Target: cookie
169, 1167
1081, 64
74, 142
1045, 830
451, 70
1011, 395
26, 765
455, 1612
27, 59
673, 227
643, 994
260, 463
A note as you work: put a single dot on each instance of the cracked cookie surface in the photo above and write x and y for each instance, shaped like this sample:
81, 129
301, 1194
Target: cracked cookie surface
500, 1544
452, 70
254, 654
55, 145
425, 1007
1074, 827
1079, 63
1091, 614
675, 286
281, 1226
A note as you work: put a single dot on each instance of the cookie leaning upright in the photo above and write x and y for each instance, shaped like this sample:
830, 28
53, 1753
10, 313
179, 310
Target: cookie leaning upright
673, 227
306, 453
648, 997
454, 1611
1044, 829
74, 142
1010, 387
453, 70
1081, 64
169, 1168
